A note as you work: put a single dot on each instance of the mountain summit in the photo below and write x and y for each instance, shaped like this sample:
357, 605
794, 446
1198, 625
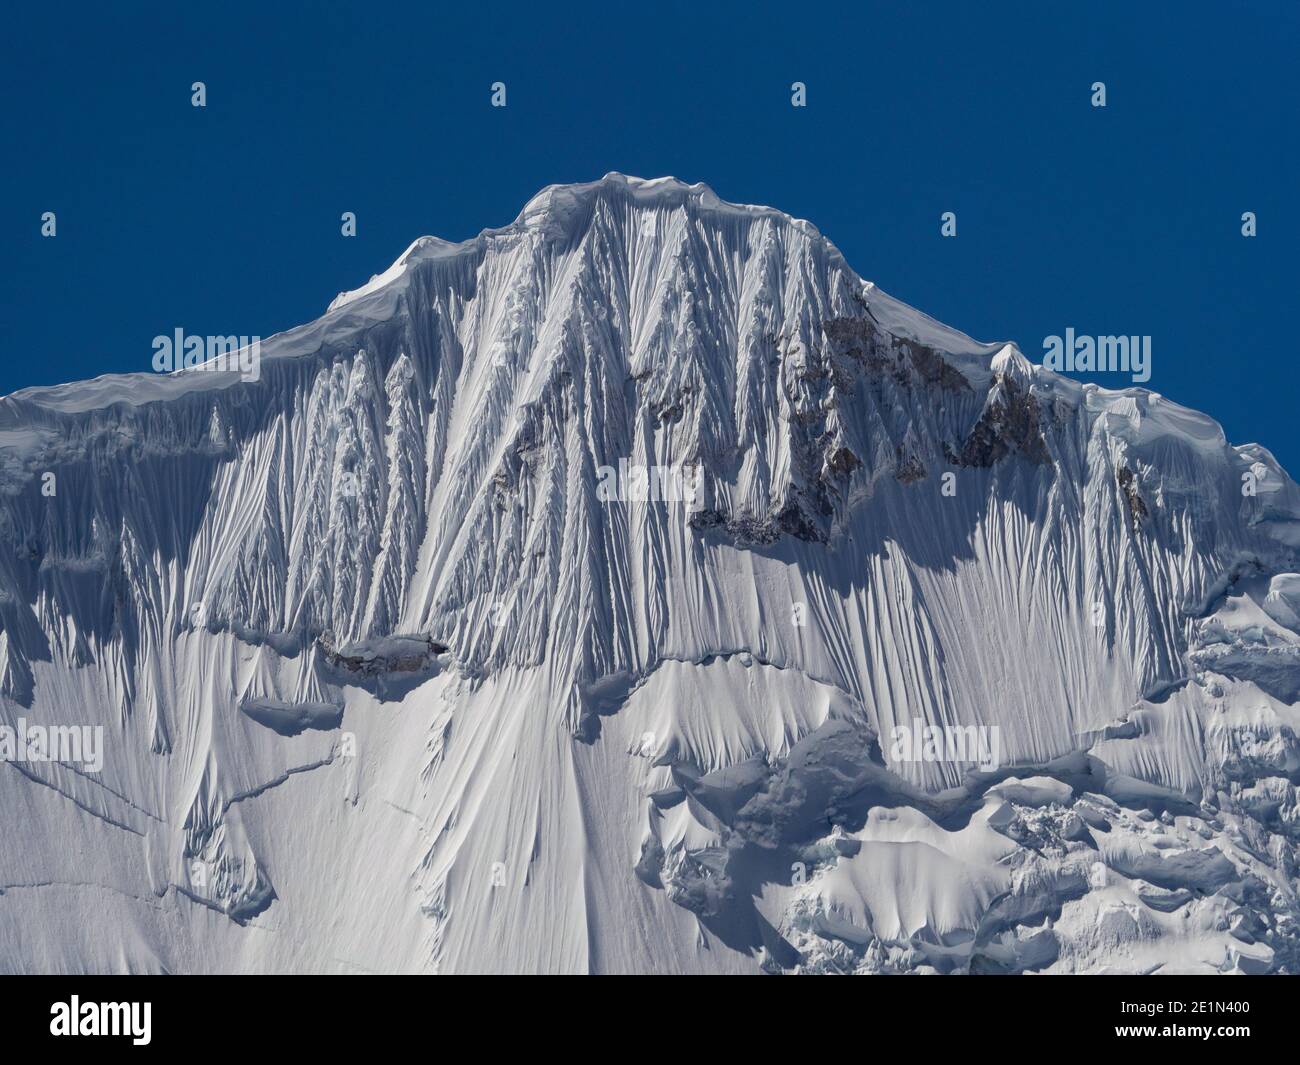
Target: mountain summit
635, 588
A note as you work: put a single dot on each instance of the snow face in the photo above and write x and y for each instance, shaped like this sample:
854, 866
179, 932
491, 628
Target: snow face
387, 682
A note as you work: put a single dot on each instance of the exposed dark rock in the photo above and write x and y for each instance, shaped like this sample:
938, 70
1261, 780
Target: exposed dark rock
859, 356
862, 340
388, 654
1012, 422
909, 468
790, 519
842, 461
1128, 485
708, 518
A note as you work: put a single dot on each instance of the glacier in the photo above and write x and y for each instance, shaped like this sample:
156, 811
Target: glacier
387, 685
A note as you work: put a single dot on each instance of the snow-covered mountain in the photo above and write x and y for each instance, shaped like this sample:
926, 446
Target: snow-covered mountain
388, 681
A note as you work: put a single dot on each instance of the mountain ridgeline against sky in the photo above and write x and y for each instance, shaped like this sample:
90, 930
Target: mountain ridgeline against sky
635, 588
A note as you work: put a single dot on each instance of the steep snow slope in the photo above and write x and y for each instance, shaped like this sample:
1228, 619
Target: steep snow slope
388, 683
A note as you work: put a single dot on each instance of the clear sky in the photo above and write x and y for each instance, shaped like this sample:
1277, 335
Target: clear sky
226, 219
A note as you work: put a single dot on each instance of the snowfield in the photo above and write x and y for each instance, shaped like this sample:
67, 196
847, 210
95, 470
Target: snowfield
385, 683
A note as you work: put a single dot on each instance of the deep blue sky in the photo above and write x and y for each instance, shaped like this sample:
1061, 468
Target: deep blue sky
226, 219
